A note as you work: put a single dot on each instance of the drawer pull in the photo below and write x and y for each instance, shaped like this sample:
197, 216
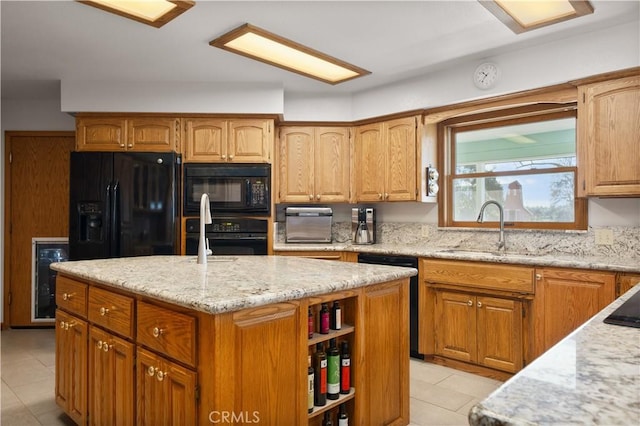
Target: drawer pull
104, 311
67, 296
160, 375
470, 303
157, 332
151, 371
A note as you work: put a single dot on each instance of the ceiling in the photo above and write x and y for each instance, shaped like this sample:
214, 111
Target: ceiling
46, 42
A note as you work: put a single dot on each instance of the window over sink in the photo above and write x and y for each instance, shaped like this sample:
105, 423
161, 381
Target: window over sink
524, 158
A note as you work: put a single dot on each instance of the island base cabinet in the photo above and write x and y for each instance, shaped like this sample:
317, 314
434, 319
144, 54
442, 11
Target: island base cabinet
111, 384
166, 392
384, 367
71, 366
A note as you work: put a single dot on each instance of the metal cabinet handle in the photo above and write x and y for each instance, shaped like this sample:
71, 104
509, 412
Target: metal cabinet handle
62, 324
379, 196
318, 197
230, 156
130, 145
157, 332
538, 277
151, 371
311, 196
99, 345
121, 145
479, 304
67, 296
104, 311
161, 375
470, 302
386, 195
224, 157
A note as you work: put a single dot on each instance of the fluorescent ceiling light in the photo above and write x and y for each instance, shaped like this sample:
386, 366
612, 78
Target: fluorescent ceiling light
152, 12
521, 16
263, 46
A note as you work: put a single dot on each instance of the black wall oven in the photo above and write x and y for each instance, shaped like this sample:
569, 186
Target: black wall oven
233, 189
242, 236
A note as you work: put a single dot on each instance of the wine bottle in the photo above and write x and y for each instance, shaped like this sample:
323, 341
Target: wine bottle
324, 319
310, 386
333, 370
320, 382
310, 324
326, 421
336, 316
343, 417
345, 368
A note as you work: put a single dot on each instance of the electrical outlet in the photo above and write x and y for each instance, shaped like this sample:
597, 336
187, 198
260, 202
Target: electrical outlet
424, 231
604, 237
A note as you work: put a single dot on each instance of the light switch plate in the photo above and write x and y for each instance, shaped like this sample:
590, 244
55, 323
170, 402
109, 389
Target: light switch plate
424, 231
604, 237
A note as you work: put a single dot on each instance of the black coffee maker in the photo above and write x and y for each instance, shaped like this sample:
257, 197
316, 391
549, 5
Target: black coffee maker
363, 225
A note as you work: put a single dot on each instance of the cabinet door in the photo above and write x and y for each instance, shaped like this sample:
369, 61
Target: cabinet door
624, 282
456, 326
71, 366
250, 141
565, 299
295, 164
153, 134
609, 138
400, 145
111, 385
267, 381
101, 134
166, 392
499, 333
331, 165
205, 140
369, 163
385, 399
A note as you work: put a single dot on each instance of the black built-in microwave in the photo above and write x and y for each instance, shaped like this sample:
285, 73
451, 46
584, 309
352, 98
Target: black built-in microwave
233, 189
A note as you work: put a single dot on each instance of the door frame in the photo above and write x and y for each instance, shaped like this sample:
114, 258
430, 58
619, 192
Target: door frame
6, 234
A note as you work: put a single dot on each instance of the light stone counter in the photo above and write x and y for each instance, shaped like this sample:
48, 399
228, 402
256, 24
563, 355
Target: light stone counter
590, 377
229, 283
561, 260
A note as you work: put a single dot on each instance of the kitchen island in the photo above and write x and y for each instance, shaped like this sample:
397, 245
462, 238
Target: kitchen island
156, 340
592, 376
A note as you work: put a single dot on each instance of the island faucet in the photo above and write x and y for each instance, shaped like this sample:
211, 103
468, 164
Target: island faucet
205, 219
501, 243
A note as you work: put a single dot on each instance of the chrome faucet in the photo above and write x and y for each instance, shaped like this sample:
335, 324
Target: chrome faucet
501, 243
205, 218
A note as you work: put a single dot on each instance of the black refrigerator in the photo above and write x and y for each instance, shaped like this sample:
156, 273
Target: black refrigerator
123, 204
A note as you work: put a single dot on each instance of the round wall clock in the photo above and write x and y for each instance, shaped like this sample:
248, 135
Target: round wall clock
486, 75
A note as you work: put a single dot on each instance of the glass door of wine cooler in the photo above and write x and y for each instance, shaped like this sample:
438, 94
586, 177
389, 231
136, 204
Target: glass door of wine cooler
45, 251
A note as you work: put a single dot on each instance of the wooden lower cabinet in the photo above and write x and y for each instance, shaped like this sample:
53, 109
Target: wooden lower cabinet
565, 299
71, 366
165, 391
624, 282
478, 329
111, 379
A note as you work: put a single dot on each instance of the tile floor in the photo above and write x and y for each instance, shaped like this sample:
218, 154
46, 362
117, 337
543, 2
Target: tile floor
439, 395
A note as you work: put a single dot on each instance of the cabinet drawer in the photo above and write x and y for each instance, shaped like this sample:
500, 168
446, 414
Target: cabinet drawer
171, 333
112, 311
479, 275
71, 295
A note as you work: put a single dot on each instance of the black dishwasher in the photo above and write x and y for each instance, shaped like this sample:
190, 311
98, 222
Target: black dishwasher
411, 262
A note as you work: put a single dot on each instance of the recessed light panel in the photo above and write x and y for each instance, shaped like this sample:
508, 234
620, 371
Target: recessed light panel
152, 12
521, 16
261, 45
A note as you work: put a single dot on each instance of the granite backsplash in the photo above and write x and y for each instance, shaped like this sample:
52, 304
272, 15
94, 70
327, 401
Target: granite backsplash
626, 240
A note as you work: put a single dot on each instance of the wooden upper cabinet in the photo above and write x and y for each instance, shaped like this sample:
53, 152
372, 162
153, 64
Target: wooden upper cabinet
314, 164
385, 161
153, 134
143, 134
250, 141
205, 139
101, 134
609, 138
213, 140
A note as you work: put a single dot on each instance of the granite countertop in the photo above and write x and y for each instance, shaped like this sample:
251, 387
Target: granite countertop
591, 376
229, 283
603, 263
